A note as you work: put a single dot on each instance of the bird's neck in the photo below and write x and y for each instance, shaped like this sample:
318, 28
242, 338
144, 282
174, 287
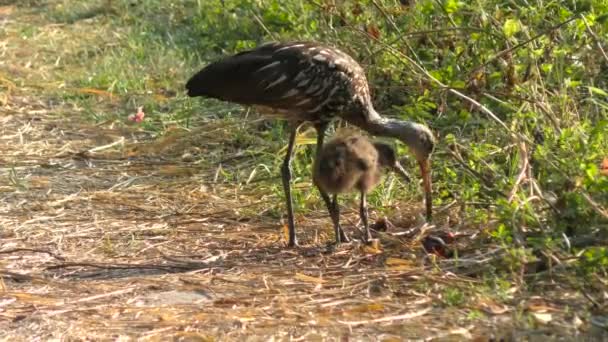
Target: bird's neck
376, 125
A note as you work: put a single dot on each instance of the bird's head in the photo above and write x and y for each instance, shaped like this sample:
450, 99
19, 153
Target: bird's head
387, 157
421, 142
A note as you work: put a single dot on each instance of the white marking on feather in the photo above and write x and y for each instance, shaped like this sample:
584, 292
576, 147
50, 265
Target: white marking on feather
327, 99
325, 52
277, 81
299, 76
321, 90
303, 102
289, 47
290, 93
268, 66
326, 83
312, 88
319, 58
303, 83
340, 61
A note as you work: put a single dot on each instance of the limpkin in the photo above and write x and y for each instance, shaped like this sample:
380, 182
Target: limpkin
352, 162
308, 82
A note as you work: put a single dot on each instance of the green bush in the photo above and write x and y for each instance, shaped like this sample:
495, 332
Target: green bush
527, 166
536, 66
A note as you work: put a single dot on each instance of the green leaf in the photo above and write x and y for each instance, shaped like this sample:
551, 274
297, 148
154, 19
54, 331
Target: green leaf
451, 6
597, 91
592, 171
511, 27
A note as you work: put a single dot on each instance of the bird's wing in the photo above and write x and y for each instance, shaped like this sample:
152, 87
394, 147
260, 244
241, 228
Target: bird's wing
296, 76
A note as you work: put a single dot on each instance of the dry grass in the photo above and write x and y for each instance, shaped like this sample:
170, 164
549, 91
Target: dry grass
108, 232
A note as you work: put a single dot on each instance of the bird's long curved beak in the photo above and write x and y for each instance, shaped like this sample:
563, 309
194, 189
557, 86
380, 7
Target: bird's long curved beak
425, 171
401, 171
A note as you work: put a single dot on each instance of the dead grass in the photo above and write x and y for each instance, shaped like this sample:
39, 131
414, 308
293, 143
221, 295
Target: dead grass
109, 231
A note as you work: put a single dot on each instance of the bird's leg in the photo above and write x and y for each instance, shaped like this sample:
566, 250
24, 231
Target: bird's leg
343, 237
335, 218
286, 177
364, 217
332, 207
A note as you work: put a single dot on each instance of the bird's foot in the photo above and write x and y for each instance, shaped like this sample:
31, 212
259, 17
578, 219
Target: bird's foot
335, 245
366, 237
293, 244
331, 247
344, 238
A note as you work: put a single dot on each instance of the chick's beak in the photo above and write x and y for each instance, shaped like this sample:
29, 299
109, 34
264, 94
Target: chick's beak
401, 171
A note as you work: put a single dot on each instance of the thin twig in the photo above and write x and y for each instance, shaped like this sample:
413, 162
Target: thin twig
525, 42
120, 141
35, 250
523, 168
598, 208
595, 37
408, 315
475, 103
115, 266
259, 20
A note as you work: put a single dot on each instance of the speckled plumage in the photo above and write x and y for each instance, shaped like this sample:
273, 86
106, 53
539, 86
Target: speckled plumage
308, 82
300, 81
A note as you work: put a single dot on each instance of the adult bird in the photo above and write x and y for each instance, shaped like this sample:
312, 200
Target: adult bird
308, 82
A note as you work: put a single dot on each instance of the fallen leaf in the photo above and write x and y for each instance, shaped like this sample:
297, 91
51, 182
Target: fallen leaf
400, 268
35, 299
542, 318
93, 91
192, 336
285, 231
373, 31
6, 10
397, 261
464, 332
371, 250
371, 307
174, 170
309, 279
405, 316
538, 304
492, 307
604, 167
541, 308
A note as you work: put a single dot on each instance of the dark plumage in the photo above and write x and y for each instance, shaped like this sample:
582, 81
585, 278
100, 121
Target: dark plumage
299, 81
308, 82
352, 162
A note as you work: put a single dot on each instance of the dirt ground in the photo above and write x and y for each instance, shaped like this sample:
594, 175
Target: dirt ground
101, 245
107, 233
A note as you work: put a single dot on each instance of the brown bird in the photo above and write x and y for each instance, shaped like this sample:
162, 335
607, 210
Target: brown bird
308, 82
352, 162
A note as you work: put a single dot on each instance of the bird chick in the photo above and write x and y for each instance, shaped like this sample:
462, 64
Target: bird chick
352, 162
